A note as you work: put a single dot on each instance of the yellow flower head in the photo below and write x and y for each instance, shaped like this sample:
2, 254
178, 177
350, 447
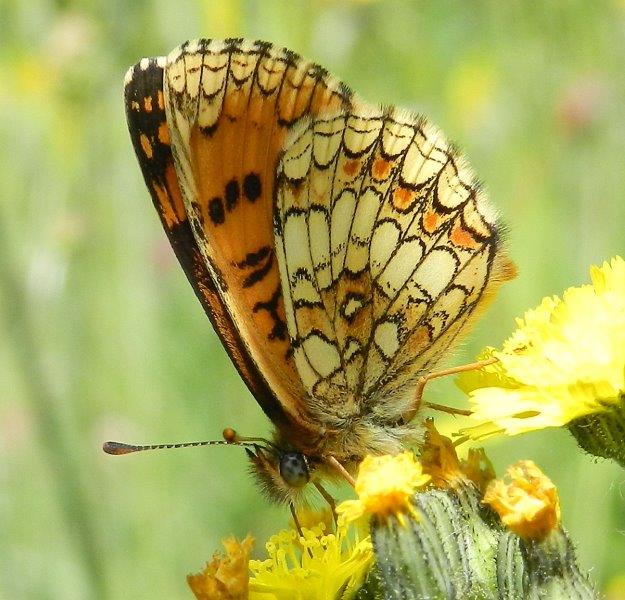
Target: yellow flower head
529, 505
224, 578
385, 485
321, 566
566, 360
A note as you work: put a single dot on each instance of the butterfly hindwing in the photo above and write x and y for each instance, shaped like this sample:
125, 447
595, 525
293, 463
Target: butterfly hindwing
387, 248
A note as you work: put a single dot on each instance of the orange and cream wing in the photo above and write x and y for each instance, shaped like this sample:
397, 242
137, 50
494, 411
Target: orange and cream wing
387, 249
228, 107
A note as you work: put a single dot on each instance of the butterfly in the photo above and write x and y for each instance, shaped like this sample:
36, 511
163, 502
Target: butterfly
339, 248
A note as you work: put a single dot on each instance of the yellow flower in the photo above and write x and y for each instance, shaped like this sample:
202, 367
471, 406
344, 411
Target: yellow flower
385, 485
224, 578
529, 505
566, 360
321, 567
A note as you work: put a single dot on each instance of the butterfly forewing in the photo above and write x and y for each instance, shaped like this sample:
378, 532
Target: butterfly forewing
150, 134
229, 105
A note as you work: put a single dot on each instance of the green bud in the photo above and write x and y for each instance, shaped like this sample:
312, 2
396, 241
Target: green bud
603, 434
510, 567
455, 547
448, 551
550, 569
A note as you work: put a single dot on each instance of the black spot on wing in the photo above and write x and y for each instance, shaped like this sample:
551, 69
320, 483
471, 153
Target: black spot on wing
354, 302
232, 194
216, 211
254, 258
259, 274
279, 329
252, 187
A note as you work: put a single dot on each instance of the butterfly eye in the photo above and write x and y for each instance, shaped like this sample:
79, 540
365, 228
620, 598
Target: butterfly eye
294, 469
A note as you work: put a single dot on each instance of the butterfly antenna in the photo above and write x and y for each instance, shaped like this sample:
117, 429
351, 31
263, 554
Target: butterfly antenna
121, 448
231, 438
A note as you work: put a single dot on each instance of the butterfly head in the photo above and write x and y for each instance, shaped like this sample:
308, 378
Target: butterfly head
282, 473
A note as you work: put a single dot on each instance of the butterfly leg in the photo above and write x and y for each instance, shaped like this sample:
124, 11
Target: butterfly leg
443, 373
341, 470
450, 410
298, 527
328, 498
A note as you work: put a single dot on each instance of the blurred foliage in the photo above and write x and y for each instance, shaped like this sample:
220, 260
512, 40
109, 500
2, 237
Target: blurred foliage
100, 334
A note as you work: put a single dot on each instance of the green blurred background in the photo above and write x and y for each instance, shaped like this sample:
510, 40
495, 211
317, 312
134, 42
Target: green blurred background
101, 336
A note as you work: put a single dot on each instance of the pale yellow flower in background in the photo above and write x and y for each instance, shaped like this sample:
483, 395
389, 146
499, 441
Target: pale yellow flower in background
528, 505
317, 566
615, 589
471, 90
385, 486
566, 360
